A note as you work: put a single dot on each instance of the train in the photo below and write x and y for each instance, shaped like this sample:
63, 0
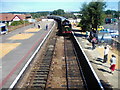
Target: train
64, 25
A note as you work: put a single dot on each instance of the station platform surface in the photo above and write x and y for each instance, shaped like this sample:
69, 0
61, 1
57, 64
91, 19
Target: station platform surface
17, 47
96, 59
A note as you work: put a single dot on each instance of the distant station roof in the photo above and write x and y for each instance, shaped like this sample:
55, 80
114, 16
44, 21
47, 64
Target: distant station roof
10, 16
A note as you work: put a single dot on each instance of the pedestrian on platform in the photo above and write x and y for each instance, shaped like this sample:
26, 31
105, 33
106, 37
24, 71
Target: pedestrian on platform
47, 27
106, 50
38, 26
87, 34
93, 42
112, 63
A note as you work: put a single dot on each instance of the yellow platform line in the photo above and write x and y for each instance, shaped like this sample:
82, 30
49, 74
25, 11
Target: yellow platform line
5, 48
33, 30
21, 36
101, 51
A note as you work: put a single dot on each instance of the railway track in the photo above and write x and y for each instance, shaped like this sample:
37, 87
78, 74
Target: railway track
74, 75
41, 73
36, 74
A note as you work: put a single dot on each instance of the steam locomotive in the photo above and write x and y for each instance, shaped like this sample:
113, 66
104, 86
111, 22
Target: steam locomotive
64, 25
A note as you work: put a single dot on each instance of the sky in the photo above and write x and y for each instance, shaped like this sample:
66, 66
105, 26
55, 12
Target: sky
48, 5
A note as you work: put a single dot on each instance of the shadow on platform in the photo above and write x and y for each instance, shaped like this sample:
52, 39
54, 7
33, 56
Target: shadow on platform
106, 85
102, 64
90, 48
103, 70
99, 59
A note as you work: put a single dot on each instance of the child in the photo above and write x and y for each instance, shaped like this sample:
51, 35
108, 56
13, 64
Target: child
112, 63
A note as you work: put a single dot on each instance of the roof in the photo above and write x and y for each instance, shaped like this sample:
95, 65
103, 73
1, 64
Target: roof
6, 16
10, 16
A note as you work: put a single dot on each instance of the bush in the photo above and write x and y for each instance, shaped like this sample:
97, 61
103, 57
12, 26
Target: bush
16, 23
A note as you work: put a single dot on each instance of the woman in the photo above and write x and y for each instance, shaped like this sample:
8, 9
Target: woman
112, 63
93, 41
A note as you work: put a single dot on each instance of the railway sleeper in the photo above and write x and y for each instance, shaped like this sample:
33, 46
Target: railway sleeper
44, 65
47, 62
38, 86
41, 73
73, 76
72, 69
39, 82
76, 79
70, 59
48, 56
43, 68
40, 70
41, 78
46, 59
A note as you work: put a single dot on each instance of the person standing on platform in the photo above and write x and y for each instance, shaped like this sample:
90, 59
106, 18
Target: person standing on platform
47, 27
106, 50
93, 42
112, 63
38, 26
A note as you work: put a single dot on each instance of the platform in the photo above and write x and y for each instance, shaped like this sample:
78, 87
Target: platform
16, 48
96, 58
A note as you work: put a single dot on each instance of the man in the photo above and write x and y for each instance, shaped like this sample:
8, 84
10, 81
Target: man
106, 50
47, 27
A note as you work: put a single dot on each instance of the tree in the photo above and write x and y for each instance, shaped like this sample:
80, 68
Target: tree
58, 12
92, 15
85, 18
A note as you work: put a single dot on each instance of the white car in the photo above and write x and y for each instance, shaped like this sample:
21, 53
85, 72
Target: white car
114, 33
3, 28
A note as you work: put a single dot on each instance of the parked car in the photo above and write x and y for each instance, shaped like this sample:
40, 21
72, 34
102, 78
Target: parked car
3, 28
104, 31
104, 38
100, 28
114, 33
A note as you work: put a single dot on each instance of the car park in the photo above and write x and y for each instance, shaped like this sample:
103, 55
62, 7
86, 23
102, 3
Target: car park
104, 38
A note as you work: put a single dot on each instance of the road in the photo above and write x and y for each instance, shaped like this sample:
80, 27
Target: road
111, 26
17, 47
